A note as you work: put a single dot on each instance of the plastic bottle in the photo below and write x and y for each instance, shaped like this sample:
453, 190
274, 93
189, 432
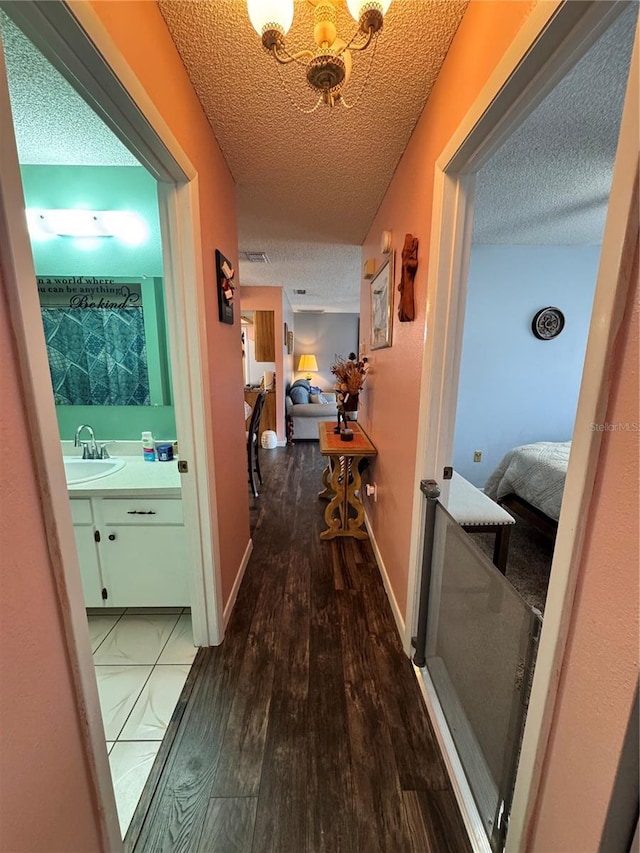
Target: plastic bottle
148, 447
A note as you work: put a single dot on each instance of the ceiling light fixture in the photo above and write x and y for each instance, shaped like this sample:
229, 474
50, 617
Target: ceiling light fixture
328, 67
126, 226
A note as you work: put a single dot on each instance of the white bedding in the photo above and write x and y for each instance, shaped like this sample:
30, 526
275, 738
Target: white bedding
535, 472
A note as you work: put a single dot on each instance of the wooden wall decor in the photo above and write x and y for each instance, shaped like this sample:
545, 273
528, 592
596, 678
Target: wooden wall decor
264, 335
407, 308
225, 275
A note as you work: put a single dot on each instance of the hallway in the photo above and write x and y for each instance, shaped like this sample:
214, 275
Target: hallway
305, 730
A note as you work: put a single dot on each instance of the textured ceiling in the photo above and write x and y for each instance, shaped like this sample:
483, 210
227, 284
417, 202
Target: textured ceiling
550, 182
53, 125
308, 186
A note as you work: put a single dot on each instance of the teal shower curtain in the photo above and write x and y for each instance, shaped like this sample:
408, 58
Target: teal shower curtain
97, 356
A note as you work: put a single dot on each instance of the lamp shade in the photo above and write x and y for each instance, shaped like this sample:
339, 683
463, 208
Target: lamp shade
263, 12
308, 362
356, 7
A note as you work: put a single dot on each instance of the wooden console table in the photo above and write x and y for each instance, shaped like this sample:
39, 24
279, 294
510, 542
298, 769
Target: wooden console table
341, 480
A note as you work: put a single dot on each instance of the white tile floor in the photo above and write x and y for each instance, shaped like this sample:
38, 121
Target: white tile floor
142, 659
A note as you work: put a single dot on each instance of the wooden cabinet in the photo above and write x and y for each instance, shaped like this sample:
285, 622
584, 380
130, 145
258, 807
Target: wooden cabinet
265, 339
132, 552
268, 417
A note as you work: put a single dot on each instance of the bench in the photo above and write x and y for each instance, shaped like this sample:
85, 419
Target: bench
477, 513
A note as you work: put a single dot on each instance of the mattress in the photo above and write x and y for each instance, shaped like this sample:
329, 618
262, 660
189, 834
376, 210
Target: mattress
534, 472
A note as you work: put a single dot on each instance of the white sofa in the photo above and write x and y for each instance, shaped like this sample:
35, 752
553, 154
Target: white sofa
303, 418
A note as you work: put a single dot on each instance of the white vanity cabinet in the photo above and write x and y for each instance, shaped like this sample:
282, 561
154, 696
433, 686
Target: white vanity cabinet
143, 552
85, 533
139, 558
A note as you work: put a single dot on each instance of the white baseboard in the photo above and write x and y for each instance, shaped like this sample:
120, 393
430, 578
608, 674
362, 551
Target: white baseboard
236, 585
397, 615
455, 771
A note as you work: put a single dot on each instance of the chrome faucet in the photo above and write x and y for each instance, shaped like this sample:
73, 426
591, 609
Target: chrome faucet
89, 448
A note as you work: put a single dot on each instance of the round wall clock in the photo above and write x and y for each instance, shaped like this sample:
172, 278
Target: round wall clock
547, 323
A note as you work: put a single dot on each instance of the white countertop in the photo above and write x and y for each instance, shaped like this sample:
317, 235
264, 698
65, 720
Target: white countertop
159, 479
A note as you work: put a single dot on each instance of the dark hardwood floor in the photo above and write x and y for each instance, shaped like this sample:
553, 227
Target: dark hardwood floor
305, 730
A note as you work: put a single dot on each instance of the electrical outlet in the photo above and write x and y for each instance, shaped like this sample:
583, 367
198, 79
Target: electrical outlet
477, 456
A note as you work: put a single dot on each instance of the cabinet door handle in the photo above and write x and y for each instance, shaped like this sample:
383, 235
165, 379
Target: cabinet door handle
112, 537
141, 512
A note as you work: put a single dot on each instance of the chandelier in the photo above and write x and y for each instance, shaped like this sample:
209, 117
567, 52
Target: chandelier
328, 67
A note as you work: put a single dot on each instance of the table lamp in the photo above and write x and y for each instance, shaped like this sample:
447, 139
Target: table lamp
308, 363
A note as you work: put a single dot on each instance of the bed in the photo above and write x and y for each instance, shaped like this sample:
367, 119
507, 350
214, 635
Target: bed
530, 481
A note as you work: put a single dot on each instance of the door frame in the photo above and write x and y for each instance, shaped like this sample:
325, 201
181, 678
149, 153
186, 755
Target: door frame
74, 40
554, 37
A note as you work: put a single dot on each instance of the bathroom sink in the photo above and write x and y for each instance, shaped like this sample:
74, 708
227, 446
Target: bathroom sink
82, 470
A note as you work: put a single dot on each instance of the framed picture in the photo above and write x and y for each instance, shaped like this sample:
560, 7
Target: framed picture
286, 333
382, 305
289, 343
225, 275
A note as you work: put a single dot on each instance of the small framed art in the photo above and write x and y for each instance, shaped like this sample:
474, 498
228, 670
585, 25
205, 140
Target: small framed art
225, 275
382, 305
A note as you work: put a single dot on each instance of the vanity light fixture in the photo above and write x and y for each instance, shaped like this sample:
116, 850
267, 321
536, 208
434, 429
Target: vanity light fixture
128, 227
328, 66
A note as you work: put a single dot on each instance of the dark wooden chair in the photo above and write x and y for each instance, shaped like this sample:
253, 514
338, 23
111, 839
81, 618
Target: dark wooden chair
253, 443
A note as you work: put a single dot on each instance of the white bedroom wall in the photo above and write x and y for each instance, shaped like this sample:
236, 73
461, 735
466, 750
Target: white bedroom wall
514, 388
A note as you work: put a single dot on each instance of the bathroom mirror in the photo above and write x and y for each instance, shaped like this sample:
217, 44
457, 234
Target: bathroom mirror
106, 340
72, 164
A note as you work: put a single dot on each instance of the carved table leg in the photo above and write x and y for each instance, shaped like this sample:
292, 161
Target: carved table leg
327, 493
352, 499
343, 483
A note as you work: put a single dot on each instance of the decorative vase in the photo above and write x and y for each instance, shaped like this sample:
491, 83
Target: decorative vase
351, 407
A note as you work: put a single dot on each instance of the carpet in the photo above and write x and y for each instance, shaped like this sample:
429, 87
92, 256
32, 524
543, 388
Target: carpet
529, 563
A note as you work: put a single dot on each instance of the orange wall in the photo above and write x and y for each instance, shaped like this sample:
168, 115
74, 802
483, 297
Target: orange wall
600, 668
139, 32
391, 400
271, 299
45, 803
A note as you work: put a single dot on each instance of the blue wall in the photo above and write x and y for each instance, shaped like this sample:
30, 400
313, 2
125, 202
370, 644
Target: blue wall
325, 336
516, 389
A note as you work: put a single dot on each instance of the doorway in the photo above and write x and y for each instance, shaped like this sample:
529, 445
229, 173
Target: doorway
562, 36
66, 44
539, 214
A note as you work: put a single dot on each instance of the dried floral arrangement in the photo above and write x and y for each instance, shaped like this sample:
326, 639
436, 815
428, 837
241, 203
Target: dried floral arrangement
351, 374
